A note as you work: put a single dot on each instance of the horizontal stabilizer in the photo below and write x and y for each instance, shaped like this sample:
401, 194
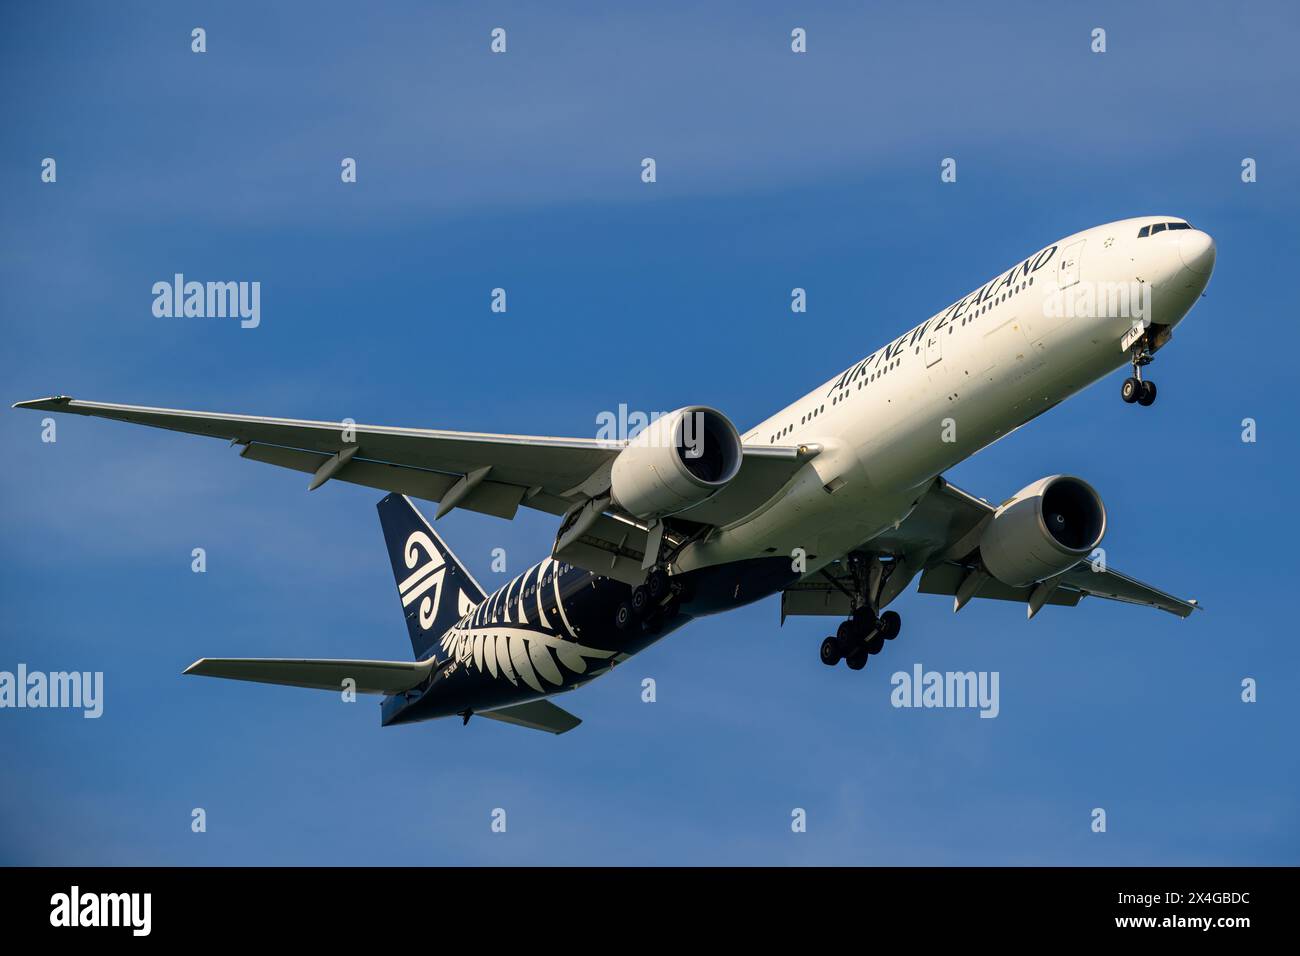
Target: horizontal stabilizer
537, 714
369, 677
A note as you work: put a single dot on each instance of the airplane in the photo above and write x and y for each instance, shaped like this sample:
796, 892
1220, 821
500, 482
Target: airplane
837, 502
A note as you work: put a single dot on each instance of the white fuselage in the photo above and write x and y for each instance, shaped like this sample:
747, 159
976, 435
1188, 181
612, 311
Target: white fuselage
1031, 337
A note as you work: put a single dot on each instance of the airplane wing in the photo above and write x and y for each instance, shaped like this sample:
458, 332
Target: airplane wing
491, 474
939, 541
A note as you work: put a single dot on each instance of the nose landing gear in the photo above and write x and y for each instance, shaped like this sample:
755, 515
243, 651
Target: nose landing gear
1135, 389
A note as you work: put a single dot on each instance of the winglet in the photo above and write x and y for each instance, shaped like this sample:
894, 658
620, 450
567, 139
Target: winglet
52, 403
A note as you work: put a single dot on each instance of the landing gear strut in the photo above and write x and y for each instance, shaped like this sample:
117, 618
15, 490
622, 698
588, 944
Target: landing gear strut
865, 632
1135, 389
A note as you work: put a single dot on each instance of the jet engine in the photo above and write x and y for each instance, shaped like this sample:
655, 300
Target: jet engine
1043, 530
680, 459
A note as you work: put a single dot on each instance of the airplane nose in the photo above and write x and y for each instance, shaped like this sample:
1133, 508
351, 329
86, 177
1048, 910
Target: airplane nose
1196, 249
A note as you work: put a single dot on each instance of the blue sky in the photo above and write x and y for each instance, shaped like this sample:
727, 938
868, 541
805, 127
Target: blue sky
522, 171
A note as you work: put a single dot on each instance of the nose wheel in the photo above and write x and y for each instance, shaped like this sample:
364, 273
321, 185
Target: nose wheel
1135, 388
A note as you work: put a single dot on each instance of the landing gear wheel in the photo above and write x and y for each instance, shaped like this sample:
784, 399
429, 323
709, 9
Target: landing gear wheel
876, 643
640, 601
851, 632
1131, 390
656, 584
1147, 393
890, 625
623, 616
830, 652
865, 619
857, 660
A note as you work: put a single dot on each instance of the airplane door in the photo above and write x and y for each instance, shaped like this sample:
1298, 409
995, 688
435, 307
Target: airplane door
933, 348
1067, 271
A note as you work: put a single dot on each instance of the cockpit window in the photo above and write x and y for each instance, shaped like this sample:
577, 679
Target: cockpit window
1161, 227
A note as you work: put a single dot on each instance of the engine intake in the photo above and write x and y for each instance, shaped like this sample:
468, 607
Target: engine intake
678, 460
1043, 530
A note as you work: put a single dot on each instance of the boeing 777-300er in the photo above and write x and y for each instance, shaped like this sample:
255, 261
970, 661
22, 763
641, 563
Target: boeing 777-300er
837, 502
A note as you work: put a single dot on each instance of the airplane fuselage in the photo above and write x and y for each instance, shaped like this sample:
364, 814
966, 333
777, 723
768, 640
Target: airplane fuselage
1037, 333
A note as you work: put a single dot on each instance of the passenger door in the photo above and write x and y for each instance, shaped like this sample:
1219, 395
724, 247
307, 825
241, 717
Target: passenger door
933, 348
1067, 272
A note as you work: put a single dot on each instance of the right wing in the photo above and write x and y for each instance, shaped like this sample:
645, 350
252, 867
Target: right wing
491, 474
424, 463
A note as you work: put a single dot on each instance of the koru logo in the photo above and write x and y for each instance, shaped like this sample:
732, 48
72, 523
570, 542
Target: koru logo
428, 575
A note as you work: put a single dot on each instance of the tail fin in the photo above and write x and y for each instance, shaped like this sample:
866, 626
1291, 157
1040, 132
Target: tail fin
435, 588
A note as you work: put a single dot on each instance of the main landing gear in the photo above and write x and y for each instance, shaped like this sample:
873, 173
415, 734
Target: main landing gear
865, 632
861, 636
650, 604
1135, 389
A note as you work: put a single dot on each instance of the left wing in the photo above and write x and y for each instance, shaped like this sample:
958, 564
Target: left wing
939, 541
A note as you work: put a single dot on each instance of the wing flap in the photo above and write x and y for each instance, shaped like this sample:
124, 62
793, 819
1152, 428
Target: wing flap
808, 598
488, 497
1120, 587
946, 578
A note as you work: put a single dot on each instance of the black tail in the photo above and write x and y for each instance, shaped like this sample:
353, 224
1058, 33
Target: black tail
435, 588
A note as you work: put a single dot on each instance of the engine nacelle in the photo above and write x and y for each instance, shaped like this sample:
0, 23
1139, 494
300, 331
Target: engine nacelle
1045, 529
678, 460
